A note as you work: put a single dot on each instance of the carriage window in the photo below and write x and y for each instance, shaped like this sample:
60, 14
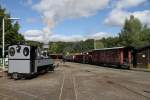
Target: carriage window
26, 51
44, 54
12, 51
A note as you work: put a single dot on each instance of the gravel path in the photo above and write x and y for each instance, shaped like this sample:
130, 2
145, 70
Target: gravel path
73, 81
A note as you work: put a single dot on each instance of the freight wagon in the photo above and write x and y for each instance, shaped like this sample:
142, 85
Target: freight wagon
69, 58
117, 56
56, 56
78, 58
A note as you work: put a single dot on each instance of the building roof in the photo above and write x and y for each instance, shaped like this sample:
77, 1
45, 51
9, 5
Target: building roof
113, 48
144, 47
55, 54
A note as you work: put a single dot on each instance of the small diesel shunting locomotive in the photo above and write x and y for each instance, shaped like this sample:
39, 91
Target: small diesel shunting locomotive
26, 61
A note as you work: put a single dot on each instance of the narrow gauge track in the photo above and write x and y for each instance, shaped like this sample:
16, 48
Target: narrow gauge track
69, 83
68, 90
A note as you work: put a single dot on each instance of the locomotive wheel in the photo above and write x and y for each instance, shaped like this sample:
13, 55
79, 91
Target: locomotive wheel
11, 77
51, 68
47, 69
15, 76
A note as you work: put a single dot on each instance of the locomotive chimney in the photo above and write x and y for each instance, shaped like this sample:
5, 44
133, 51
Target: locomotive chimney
45, 46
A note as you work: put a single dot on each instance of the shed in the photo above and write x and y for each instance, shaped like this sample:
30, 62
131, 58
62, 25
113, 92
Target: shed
143, 57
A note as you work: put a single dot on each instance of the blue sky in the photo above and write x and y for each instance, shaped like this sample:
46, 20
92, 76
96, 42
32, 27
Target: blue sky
66, 22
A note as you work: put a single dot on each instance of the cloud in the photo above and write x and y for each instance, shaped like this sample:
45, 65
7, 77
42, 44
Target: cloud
64, 38
54, 11
118, 16
99, 35
38, 35
143, 16
129, 3
73, 38
61, 9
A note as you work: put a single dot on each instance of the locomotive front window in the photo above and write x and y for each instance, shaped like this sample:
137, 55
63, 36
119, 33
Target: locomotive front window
26, 51
12, 51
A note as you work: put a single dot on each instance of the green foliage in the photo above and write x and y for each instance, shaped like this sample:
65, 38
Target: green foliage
88, 45
12, 35
99, 44
145, 35
134, 34
34, 43
70, 47
110, 42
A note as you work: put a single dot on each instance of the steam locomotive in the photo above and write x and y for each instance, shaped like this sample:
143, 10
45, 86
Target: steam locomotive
26, 61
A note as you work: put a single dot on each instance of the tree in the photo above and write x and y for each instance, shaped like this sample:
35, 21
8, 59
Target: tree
146, 34
34, 43
89, 44
110, 42
53, 48
12, 35
131, 32
99, 44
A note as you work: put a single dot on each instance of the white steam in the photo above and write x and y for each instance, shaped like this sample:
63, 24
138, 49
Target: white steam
54, 11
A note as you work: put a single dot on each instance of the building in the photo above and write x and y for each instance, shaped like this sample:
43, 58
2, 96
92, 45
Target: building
143, 57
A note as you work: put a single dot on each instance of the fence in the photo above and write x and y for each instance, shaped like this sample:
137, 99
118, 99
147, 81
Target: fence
1, 61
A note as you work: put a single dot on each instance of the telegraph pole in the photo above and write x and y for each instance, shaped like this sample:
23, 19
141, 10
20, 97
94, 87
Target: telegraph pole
3, 40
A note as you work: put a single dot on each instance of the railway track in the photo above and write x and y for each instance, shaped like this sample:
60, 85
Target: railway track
68, 90
78, 82
70, 84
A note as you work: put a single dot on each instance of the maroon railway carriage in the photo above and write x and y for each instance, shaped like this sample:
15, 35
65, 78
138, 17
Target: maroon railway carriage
78, 58
69, 58
56, 56
87, 57
117, 56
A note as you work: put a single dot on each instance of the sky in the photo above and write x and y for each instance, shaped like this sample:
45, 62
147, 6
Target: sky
74, 20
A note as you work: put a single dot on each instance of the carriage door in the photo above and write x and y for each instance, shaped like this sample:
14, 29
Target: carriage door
128, 57
125, 56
